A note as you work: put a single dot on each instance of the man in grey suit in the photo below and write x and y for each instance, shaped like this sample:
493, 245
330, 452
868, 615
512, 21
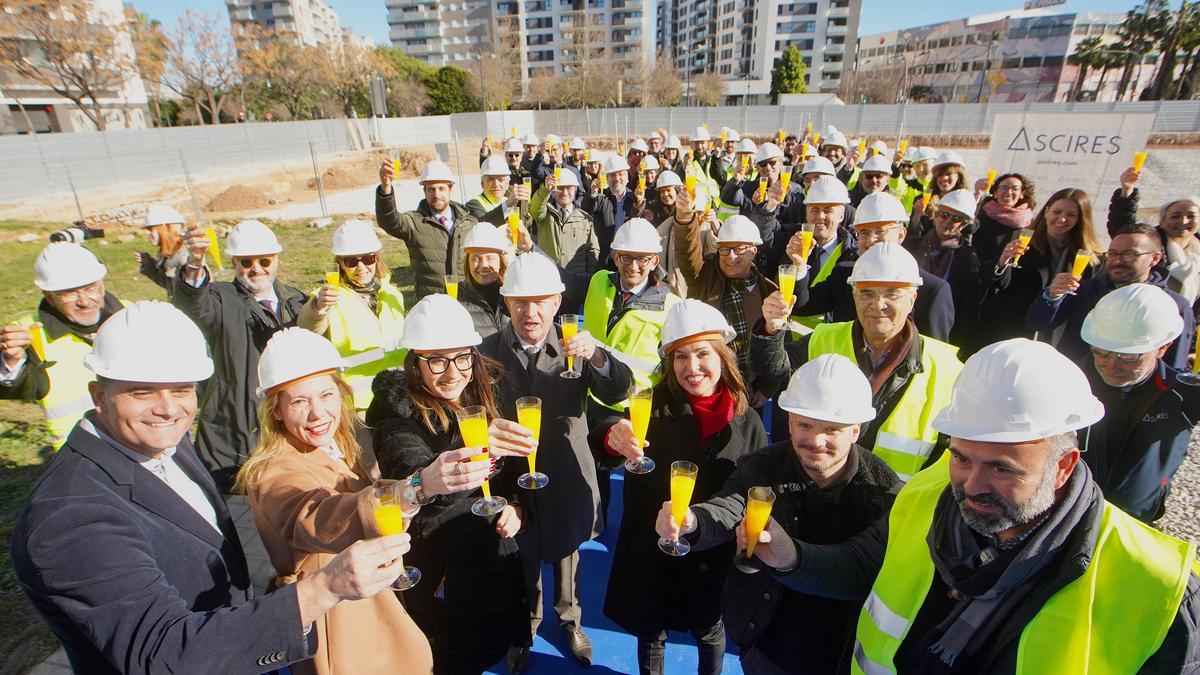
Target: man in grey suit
565, 513
125, 547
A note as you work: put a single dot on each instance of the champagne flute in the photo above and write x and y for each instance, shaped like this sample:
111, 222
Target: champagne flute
683, 483
1024, 235
1083, 258
529, 415
759, 501
1139, 159
452, 285
639, 416
214, 247
388, 504
473, 426
333, 276
787, 282
569, 324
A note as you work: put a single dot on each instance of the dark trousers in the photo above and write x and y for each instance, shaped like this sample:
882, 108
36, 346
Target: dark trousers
566, 591
711, 641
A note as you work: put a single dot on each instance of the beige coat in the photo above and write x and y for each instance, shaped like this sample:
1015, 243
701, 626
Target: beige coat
308, 508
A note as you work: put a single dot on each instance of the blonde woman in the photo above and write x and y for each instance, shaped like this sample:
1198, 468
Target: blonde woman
311, 494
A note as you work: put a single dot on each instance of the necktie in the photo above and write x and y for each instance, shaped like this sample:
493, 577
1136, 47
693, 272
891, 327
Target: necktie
442, 220
270, 307
531, 357
817, 254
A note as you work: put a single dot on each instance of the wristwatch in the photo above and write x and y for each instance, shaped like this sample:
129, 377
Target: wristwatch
418, 489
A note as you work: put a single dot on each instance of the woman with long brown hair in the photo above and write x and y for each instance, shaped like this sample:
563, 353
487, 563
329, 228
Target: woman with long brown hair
700, 414
164, 228
1020, 273
947, 176
1007, 206
472, 603
311, 491
486, 252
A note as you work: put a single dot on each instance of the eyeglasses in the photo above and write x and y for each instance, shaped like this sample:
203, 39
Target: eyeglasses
1127, 256
438, 364
1009, 188
640, 260
352, 261
870, 233
93, 291
955, 218
888, 295
247, 263
727, 251
1121, 358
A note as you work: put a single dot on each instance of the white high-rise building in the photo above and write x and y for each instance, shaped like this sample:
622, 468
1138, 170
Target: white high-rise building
310, 22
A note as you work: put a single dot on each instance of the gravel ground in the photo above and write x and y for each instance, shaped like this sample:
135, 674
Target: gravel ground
1182, 518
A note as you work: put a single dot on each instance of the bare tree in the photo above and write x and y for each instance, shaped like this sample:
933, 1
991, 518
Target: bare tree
345, 69
877, 85
201, 62
406, 97
289, 73
66, 46
709, 89
150, 45
496, 76
659, 84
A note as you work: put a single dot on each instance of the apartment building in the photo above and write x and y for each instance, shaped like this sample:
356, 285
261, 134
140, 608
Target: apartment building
310, 22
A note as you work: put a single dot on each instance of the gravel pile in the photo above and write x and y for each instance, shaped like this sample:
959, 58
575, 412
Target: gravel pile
1182, 518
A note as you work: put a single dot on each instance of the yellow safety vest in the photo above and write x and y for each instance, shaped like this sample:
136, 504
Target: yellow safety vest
68, 398
487, 203
366, 341
1108, 621
907, 437
707, 188
634, 338
813, 320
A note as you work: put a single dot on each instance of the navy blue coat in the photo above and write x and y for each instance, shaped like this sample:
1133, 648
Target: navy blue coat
132, 580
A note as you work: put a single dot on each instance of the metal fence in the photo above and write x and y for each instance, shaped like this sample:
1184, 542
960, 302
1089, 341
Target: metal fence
51, 164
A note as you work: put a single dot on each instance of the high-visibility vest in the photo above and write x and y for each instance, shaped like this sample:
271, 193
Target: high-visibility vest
68, 398
488, 204
367, 342
907, 437
634, 338
1108, 621
707, 188
813, 320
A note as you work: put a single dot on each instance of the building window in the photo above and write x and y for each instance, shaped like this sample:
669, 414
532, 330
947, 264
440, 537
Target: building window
1052, 62
1011, 62
1031, 62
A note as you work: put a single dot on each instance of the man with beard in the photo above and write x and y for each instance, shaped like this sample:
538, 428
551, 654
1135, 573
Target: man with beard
1004, 557
1132, 258
237, 318
946, 253
763, 200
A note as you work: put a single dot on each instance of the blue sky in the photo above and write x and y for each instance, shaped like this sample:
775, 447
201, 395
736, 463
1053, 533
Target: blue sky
369, 17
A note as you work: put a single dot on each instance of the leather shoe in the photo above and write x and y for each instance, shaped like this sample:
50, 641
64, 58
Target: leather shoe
518, 658
581, 646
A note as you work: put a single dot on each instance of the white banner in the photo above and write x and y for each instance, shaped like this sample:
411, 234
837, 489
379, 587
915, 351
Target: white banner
1060, 150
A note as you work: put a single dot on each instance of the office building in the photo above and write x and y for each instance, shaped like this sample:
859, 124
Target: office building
309, 22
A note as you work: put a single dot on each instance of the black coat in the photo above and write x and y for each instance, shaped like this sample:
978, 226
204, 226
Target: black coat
133, 580
649, 591
489, 319
473, 583
237, 329
962, 274
820, 630
604, 220
989, 236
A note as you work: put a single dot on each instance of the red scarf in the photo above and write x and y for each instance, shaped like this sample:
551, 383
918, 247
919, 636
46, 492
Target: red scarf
712, 413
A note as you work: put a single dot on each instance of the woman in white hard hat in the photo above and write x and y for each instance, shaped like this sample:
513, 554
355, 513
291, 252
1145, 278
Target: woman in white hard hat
672, 159
946, 252
311, 491
474, 606
699, 414
487, 251
948, 175
1007, 207
1178, 221
362, 314
164, 228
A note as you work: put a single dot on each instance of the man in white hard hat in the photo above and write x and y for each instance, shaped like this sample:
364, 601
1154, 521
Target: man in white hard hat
499, 194
827, 210
41, 355
702, 164
910, 372
565, 232
1136, 449
531, 156
670, 190
835, 147
875, 175
566, 512
237, 317
554, 158
125, 547
880, 218
164, 227
827, 488
576, 152
637, 150
1004, 557
764, 200
946, 253
613, 206
654, 143
433, 232
1133, 258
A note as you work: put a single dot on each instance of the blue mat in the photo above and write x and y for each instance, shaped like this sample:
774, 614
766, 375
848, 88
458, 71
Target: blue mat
613, 650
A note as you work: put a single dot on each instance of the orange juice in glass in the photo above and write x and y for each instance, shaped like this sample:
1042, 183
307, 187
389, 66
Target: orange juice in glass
214, 247
1083, 258
817, 140
639, 417
452, 285
991, 178
396, 169
785, 180
787, 282
37, 335
514, 225
473, 426
903, 148
1024, 235
782, 137
683, 484
762, 187
569, 324
642, 181
333, 276
689, 182
759, 501
557, 175
529, 415
807, 231
1139, 159
387, 505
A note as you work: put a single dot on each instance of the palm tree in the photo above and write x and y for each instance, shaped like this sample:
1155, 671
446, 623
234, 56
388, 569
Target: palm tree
1088, 54
1106, 61
1188, 43
1137, 32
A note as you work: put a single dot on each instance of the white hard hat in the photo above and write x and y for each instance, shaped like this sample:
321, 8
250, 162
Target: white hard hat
829, 388
692, 317
597, 157
877, 164
577, 144
553, 140
820, 165
438, 321
746, 146
486, 237
356, 237
639, 144
879, 147
830, 130
532, 275
767, 151
910, 155
668, 179
494, 166
948, 157
1135, 319
701, 134
732, 135
567, 179
961, 201
827, 190
513, 145
251, 237
62, 266
436, 171
161, 214
887, 263
294, 354
836, 138
673, 142
924, 153
739, 230
1016, 391
637, 235
879, 207
650, 163
654, 136
529, 139
614, 163
150, 341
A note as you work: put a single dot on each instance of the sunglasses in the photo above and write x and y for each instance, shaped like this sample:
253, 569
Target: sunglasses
247, 263
352, 261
